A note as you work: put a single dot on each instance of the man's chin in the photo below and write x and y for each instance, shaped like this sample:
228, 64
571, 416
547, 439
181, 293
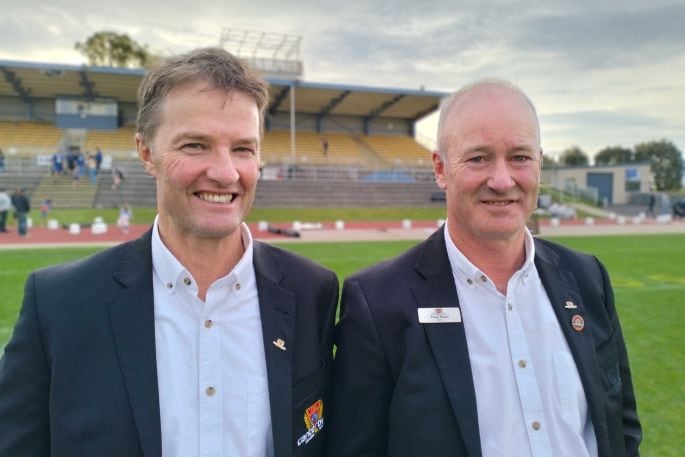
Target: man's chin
501, 230
217, 233
215, 227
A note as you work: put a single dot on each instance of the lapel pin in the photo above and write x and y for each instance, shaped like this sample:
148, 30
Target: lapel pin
570, 305
578, 323
280, 344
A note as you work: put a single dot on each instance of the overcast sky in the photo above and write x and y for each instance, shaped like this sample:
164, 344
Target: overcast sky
600, 72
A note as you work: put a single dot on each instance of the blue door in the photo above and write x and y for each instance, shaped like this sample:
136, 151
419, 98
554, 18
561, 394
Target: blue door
604, 183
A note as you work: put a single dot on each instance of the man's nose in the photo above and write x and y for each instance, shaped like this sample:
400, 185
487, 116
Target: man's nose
222, 168
500, 179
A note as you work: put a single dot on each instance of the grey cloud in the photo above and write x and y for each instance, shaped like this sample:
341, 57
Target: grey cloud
608, 37
598, 119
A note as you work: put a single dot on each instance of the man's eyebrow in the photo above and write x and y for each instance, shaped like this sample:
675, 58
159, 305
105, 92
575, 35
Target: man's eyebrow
522, 148
203, 137
189, 136
477, 149
248, 140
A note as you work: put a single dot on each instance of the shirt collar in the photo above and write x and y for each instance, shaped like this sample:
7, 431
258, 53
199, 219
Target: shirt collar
172, 273
467, 272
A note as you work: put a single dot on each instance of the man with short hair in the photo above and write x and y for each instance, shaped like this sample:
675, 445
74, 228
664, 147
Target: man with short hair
22, 207
5, 205
195, 339
483, 341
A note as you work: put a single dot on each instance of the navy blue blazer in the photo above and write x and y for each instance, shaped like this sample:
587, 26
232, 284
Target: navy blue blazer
404, 389
79, 375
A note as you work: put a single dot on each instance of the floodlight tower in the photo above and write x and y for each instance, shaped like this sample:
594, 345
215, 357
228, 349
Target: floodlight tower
275, 55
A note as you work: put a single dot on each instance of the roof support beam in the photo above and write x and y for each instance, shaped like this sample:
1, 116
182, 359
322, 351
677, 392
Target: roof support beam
426, 112
279, 99
385, 105
88, 86
334, 102
330, 107
15, 82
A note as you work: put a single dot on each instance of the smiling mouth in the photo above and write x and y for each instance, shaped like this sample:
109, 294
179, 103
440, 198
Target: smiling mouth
499, 202
216, 198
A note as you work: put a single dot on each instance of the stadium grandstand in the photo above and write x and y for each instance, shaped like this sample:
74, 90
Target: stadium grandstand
324, 144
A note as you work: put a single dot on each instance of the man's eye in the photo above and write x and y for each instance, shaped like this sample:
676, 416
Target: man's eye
193, 146
244, 149
520, 158
477, 159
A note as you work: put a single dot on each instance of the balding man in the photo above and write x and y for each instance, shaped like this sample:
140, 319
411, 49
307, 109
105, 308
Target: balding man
483, 341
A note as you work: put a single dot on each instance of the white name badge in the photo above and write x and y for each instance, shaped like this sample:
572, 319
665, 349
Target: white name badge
439, 315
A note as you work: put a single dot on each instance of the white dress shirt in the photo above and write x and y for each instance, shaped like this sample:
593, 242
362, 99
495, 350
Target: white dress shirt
211, 367
529, 396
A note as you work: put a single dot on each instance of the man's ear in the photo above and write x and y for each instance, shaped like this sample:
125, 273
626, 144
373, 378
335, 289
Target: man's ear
145, 155
439, 170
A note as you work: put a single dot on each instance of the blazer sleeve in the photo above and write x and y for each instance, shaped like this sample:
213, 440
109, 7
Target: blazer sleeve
24, 386
632, 430
362, 386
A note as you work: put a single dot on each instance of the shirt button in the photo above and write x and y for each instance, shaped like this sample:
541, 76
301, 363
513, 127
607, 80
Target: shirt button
522, 363
209, 391
510, 306
187, 281
483, 278
169, 285
536, 425
209, 323
237, 286
469, 281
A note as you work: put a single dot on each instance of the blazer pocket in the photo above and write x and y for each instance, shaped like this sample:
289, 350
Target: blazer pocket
303, 389
309, 413
608, 366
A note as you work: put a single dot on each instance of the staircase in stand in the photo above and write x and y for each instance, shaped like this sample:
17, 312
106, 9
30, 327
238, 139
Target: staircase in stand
64, 193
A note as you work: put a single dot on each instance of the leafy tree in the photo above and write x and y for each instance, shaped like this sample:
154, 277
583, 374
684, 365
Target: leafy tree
548, 162
666, 163
113, 49
573, 156
612, 155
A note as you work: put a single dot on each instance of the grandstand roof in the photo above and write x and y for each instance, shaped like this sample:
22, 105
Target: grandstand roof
31, 80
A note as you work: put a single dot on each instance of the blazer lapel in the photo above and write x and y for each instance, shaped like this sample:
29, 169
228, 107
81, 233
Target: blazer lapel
133, 327
277, 308
448, 341
563, 293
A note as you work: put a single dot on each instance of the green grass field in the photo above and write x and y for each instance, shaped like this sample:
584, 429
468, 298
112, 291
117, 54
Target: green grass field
147, 215
649, 284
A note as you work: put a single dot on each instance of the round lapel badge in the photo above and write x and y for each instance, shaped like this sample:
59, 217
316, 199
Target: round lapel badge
578, 323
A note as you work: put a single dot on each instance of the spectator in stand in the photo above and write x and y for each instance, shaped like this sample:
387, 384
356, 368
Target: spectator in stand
75, 177
98, 160
2, 162
117, 178
71, 161
57, 163
650, 206
81, 163
324, 146
5, 205
91, 163
45, 208
125, 216
22, 206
